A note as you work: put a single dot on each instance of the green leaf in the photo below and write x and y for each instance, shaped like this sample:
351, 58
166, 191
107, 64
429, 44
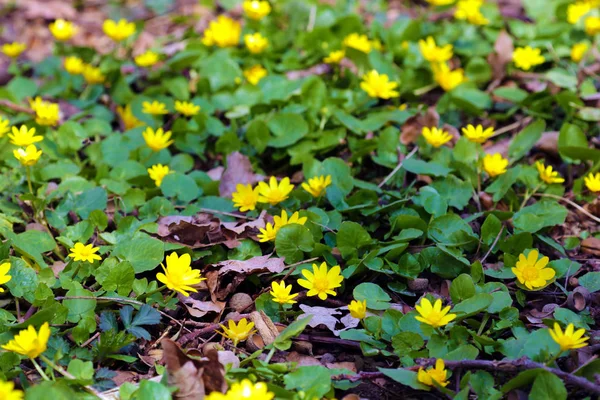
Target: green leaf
591, 114
258, 135
377, 298
292, 242
90, 200
540, 215
425, 168
490, 229
314, 381
456, 191
526, 139
590, 281
287, 129
220, 69
470, 99
570, 138
179, 185
32, 244
405, 377
473, 305
283, 341
142, 251
405, 342
562, 78
503, 183
351, 237
24, 280
451, 230
547, 386
116, 276
152, 390
462, 288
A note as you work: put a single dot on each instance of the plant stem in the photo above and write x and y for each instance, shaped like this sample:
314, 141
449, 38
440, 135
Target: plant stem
529, 195
68, 375
28, 173
39, 369
270, 355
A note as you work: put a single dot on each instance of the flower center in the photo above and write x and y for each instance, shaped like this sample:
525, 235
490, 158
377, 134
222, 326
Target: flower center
321, 284
530, 273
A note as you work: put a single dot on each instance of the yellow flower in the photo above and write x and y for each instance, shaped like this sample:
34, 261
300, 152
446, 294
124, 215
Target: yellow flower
274, 193
592, 25
547, 174
494, 164
186, 108
93, 75
569, 339
281, 293
477, 134
281, 221
147, 59
23, 136
358, 42
321, 281
4, 276
4, 126
577, 10
256, 9
376, 44
578, 51
256, 43
446, 78
527, 57
158, 172
157, 140
470, 10
378, 85
244, 390
129, 120
74, 65
223, 32
434, 54
46, 113
14, 49
179, 275
358, 309
317, 185
8, 391
154, 108
83, 252
28, 156
433, 315
238, 332
440, 2
593, 182
335, 57
269, 233
255, 74
118, 31
62, 30
436, 137
244, 197
28, 342
531, 272
438, 374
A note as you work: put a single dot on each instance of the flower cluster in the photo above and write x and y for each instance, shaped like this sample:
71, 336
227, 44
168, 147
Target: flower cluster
438, 57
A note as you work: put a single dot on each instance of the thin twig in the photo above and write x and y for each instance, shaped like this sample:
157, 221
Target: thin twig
391, 174
510, 127
292, 267
16, 107
492, 246
211, 211
188, 337
312, 19
571, 203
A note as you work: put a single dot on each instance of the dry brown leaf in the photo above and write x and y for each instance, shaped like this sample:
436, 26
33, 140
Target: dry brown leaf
198, 308
239, 170
264, 326
413, 126
548, 143
591, 245
327, 317
301, 360
319, 69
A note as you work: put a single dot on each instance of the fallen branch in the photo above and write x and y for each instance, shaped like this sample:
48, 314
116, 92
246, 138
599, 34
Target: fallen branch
188, 337
16, 107
569, 202
391, 174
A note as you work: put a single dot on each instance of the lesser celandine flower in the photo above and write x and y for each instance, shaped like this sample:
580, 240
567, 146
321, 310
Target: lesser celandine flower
477, 134
8, 391
592, 182
186, 108
154, 108
358, 42
317, 185
62, 30
532, 272
118, 31
4, 276
470, 10
14, 49
238, 332
129, 120
335, 57
547, 174
222, 32
446, 78
157, 140
282, 293
256, 9
27, 156
93, 75
4, 126
570, 339
84, 252
244, 390
74, 65
283, 220
255, 74
578, 51
494, 164
147, 59
256, 43
439, 374
46, 113
379, 86
436, 137
274, 193
592, 25
577, 10
158, 172
23, 136
321, 281
527, 57
179, 275
440, 2
268, 233
29, 342
434, 53
358, 309
433, 315
245, 197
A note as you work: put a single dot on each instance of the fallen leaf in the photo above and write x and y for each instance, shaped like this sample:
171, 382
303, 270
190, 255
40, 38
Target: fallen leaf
326, 316
413, 126
591, 245
199, 309
302, 360
239, 170
264, 326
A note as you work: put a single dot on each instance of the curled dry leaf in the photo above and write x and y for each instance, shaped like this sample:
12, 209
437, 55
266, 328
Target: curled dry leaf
264, 327
327, 317
411, 129
591, 245
239, 170
199, 309
502, 56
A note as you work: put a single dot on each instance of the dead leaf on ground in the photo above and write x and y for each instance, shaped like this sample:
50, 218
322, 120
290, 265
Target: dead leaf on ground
301, 360
591, 245
264, 327
319, 69
199, 309
413, 126
239, 170
327, 317
548, 143
502, 56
